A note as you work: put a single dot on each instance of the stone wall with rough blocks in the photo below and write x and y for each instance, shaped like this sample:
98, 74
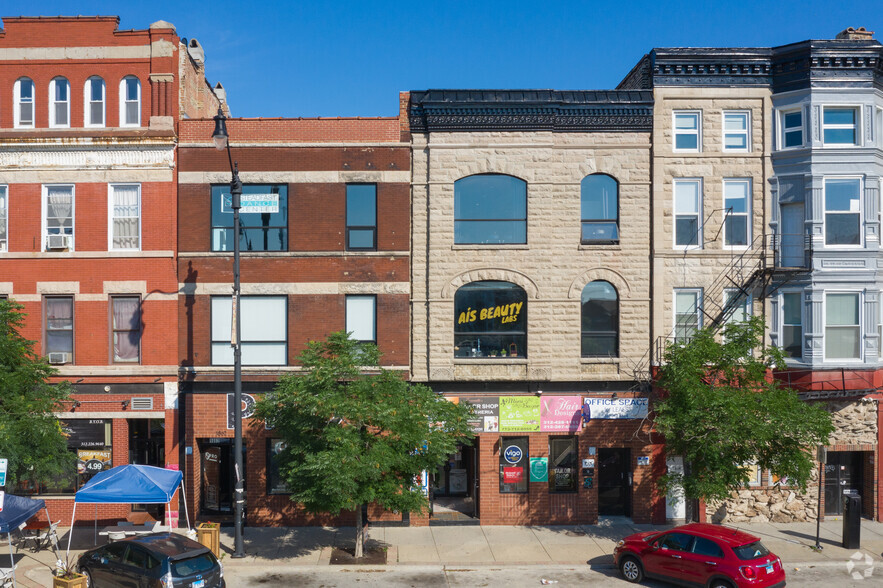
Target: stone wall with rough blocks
552, 267
709, 266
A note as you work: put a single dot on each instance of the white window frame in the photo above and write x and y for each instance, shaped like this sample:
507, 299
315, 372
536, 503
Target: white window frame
747, 214
676, 132
122, 121
354, 315
221, 319
783, 130
44, 225
782, 324
53, 122
110, 216
87, 103
699, 305
861, 212
698, 213
4, 217
16, 97
861, 338
880, 325
749, 308
747, 132
857, 127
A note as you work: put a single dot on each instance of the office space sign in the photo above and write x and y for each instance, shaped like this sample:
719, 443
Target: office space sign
617, 408
252, 203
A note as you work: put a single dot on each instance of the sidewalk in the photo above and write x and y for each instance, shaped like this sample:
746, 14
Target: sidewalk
582, 545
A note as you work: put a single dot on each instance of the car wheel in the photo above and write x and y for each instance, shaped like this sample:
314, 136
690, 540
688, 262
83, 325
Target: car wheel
631, 569
718, 583
89, 582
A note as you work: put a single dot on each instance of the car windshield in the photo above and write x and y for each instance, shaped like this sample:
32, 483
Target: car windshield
194, 565
751, 551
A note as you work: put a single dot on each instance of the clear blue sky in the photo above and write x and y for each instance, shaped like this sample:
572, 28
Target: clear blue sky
351, 58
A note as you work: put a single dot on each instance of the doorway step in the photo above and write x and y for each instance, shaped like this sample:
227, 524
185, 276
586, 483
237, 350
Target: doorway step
452, 511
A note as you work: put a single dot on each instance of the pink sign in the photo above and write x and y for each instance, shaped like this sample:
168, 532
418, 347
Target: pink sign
513, 475
560, 413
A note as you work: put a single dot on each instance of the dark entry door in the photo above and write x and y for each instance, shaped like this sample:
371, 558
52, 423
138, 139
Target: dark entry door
843, 473
218, 476
614, 482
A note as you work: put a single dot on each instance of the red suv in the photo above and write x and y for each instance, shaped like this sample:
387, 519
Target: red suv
699, 555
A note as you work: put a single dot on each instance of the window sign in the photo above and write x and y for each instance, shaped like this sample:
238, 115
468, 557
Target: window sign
617, 408
86, 433
490, 320
514, 460
562, 464
275, 483
263, 218
519, 413
539, 469
251, 203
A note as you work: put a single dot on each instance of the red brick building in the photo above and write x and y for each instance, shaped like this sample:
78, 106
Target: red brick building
88, 225
325, 246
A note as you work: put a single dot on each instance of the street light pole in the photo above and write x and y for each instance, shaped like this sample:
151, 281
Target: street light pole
222, 140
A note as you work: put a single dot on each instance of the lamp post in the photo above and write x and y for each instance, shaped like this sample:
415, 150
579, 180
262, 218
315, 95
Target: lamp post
221, 140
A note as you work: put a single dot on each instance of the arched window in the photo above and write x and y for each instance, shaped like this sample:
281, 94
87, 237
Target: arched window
600, 320
94, 101
490, 209
130, 102
490, 320
599, 203
59, 103
23, 95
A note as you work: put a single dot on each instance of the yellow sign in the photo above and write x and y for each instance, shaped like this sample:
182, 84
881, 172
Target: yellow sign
507, 312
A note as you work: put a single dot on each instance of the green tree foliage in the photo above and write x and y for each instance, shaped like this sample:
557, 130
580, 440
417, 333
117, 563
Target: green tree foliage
30, 435
354, 438
720, 409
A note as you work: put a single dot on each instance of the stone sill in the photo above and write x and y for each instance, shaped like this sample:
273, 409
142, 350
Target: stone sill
483, 361
601, 360
488, 247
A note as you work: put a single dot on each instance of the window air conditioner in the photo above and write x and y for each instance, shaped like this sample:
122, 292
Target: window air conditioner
57, 358
59, 242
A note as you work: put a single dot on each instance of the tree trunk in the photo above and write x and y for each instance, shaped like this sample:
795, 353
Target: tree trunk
360, 534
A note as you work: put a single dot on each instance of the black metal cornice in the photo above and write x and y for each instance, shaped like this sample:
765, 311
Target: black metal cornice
531, 110
702, 66
828, 64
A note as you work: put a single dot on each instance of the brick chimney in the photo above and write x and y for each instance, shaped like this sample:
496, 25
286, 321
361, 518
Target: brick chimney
855, 34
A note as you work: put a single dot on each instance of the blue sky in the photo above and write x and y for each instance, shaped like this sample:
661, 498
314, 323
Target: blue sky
350, 58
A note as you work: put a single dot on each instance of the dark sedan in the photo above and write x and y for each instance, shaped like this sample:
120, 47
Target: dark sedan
158, 560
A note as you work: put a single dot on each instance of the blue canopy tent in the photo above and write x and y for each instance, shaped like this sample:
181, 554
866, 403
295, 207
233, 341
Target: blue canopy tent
130, 484
17, 510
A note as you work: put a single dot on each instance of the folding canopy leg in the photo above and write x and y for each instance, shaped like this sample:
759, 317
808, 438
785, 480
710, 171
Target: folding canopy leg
95, 539
54, 544
70, 534
11, 559
184, 494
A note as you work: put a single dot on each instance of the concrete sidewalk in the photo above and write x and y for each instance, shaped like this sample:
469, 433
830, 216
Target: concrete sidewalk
582, 545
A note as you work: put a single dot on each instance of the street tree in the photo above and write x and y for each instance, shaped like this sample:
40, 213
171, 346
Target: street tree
31, 438
356, 435
721, 409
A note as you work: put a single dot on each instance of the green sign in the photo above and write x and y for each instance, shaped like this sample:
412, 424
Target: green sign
539, 469
519, 414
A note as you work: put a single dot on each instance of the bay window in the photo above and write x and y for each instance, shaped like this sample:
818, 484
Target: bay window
843, 325
843, 211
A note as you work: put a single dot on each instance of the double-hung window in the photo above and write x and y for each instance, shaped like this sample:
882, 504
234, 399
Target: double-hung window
95, 94
843, 325
130, 102
792, 324
600, 320
843, 211
688, 214
58, 341
687, 130
58, 217
126, 329
4, 218
737, 125
361, 318
264, 321
737, 211
23, 93
125, 215
840, 125
599, 204
792, 129
59, 103
361, 217
688, 313
490, 209
263, 218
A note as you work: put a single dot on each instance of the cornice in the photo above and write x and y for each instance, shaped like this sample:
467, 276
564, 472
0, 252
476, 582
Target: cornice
38, 157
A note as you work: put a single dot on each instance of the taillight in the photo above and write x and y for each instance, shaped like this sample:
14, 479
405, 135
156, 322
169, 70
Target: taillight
748, 572
167, 581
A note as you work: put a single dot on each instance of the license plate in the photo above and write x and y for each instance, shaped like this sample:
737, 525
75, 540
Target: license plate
769, 569
198, 584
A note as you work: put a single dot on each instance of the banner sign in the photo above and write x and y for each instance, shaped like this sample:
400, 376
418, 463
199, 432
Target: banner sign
617, 408
560, 413
91, 461
487, 414
252, 203
539, 469
519, 414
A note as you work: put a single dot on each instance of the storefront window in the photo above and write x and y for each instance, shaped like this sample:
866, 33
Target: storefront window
562, 464
90, 441
275, 483
490, 320
514, 460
